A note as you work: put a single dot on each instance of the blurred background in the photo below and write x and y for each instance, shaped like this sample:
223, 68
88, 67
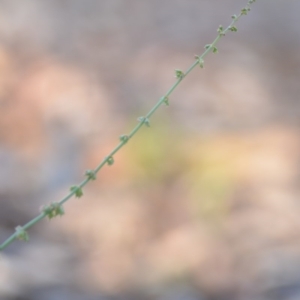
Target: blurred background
202, 205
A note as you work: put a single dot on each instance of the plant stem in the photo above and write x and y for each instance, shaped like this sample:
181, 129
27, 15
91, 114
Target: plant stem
162, 100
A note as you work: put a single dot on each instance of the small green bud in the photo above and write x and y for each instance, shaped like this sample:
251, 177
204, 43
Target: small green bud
165, 100
144, 120
215, 50
200, 61
220, 30
110, 160
179, 74
53, 210
234, 17
76, 190
124, 138
22, 234
233, 29
90, 174
207, 46
245, 10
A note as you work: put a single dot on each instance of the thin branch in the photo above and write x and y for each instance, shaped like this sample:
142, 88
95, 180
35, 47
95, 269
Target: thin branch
56, 208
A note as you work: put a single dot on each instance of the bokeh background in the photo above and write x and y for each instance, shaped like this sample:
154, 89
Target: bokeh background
202, 205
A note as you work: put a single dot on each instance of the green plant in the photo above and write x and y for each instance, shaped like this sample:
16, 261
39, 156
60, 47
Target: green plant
56, 209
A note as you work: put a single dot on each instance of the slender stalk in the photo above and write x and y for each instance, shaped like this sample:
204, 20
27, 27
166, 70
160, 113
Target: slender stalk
56, 209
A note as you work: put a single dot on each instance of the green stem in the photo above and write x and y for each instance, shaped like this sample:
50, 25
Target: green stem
43, 214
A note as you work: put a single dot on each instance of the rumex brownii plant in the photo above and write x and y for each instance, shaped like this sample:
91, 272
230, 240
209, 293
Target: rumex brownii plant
56, 208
